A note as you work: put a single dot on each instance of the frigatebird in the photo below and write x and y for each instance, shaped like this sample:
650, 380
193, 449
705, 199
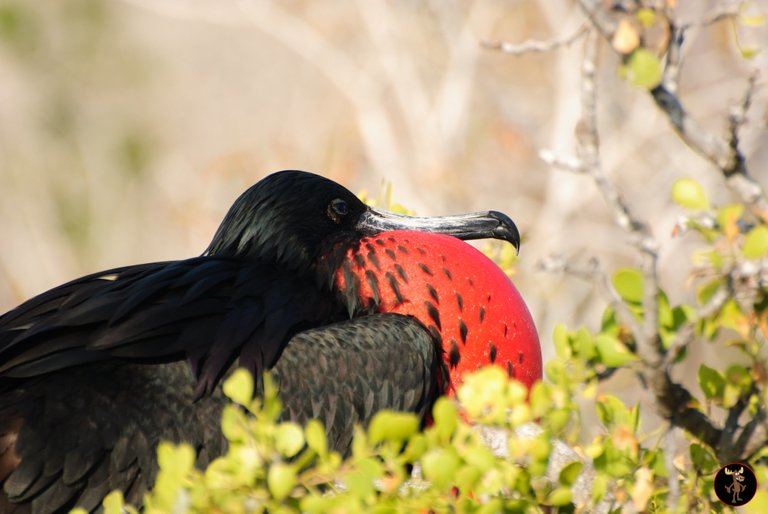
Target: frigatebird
343, 303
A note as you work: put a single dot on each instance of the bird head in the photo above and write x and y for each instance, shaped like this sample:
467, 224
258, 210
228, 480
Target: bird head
287, 217
295, 218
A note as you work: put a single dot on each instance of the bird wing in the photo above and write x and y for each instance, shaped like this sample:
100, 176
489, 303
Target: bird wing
208, 310
342, 374
76, 436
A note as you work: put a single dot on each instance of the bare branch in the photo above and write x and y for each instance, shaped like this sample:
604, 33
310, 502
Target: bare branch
670, 450
534, 45
674, 404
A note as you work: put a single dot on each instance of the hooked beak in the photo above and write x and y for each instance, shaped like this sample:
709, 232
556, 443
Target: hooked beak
475, 225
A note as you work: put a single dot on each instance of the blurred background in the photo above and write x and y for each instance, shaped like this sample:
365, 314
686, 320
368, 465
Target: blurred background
128, 127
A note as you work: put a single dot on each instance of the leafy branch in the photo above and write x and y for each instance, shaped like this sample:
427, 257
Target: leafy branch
736, 438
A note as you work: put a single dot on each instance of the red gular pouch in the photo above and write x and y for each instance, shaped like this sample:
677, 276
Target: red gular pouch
457, 293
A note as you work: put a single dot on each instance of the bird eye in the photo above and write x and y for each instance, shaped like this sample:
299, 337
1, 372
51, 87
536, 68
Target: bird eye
337, 209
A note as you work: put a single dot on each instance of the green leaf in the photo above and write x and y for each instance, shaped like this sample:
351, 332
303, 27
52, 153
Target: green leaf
178, 460
114, 503
239, 387
634, 417
584, 344
360, 447
289, 439
614, 462
316, 438
643, 69
646, 16
281, 478
467, 478
708, 257
711, 382
731, 395
316, 504
371, 467
655, 461
540, 448
175, 463
665, 311
233, 424
753, 20
613, 353
480, 457
706, 291
493, 506
672, 320
731, 315
628, 282
271, 406
557, 419
599, 487
483, 394
570, 473
756, 243
609, 324
703, 459
688, 193
748, 52
440, 465
392, 426
560, 497
417, 446
555, 371
359, 484
218, 475
612, 411
540, 399
727, 217
560, 340
739, 376
446, 417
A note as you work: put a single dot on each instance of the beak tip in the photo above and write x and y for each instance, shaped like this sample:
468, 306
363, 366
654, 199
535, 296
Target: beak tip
507, 230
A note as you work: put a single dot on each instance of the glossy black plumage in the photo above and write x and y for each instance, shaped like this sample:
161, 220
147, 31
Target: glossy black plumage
94, 373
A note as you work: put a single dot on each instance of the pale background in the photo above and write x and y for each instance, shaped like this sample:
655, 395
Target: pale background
127, 128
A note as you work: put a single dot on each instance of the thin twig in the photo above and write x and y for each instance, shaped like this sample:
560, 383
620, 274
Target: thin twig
589, 143
535, 45
738, 115
567, 163
592, 272
722, 11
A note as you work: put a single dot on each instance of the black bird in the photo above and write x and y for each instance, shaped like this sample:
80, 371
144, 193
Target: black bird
94, 373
